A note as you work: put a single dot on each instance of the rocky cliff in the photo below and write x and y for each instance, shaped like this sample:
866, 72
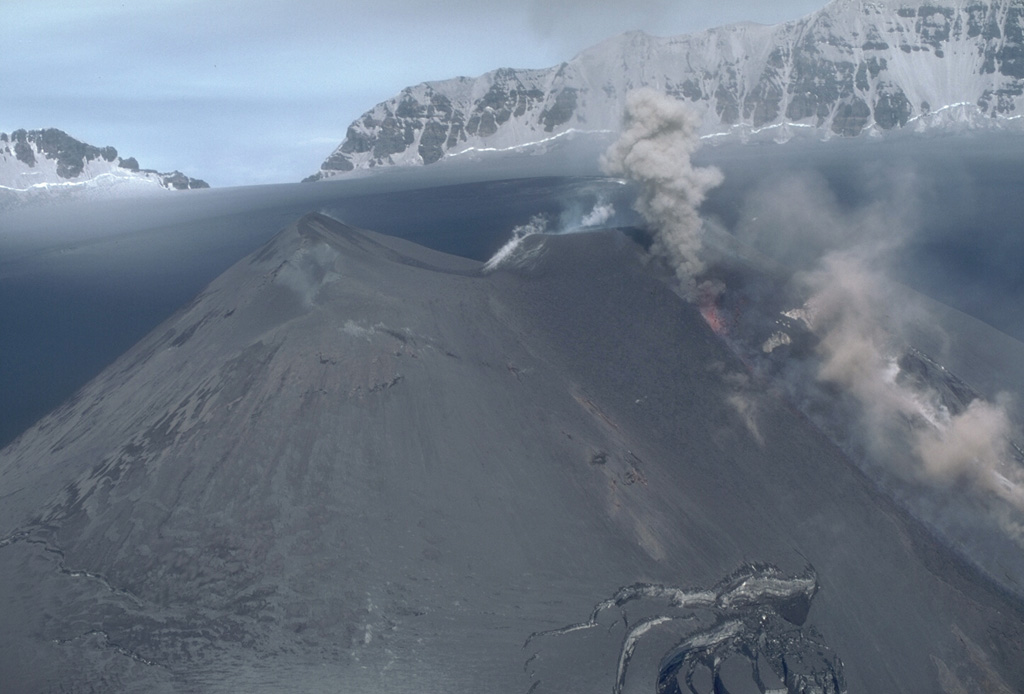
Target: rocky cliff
51, 156
852, 68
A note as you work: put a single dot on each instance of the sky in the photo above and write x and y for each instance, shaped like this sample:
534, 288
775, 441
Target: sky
241, 92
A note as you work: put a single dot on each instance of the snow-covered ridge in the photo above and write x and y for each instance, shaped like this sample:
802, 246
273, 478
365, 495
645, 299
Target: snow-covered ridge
854, 67
102, 187
34, 161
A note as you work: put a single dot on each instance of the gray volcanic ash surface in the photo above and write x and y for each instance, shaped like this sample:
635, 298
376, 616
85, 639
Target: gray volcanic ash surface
356, 464
81, 283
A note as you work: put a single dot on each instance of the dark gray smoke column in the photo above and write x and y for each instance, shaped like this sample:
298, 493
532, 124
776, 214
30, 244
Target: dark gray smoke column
654, 150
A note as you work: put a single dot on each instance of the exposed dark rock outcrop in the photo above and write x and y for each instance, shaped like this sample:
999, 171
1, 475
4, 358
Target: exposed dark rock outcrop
32, 149
853, 67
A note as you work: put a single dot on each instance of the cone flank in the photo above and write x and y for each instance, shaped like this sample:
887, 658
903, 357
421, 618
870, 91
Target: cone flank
355, 461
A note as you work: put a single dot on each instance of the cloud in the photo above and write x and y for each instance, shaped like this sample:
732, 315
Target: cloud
577, 23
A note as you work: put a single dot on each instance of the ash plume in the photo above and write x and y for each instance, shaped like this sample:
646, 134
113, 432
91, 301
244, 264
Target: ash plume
862, 320
970, 444
859, 316
864, 356
654, 150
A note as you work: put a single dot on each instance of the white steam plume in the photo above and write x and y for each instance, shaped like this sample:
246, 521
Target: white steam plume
659, 136
572, 220
601, 213
538, 224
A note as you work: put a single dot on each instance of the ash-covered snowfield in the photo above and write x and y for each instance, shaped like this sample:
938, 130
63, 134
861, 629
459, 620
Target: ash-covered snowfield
767, 432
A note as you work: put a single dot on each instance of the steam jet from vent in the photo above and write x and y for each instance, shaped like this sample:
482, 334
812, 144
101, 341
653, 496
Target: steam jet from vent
355, 464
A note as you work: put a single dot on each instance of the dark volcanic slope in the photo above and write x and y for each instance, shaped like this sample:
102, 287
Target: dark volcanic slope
353, 464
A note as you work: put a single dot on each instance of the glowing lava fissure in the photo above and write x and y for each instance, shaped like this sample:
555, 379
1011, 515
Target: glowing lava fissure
709, 312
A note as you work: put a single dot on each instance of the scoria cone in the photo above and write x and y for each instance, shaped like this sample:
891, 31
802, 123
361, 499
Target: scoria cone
355, 462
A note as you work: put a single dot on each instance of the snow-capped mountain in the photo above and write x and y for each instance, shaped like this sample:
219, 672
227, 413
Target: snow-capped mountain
853, 67
34, 159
